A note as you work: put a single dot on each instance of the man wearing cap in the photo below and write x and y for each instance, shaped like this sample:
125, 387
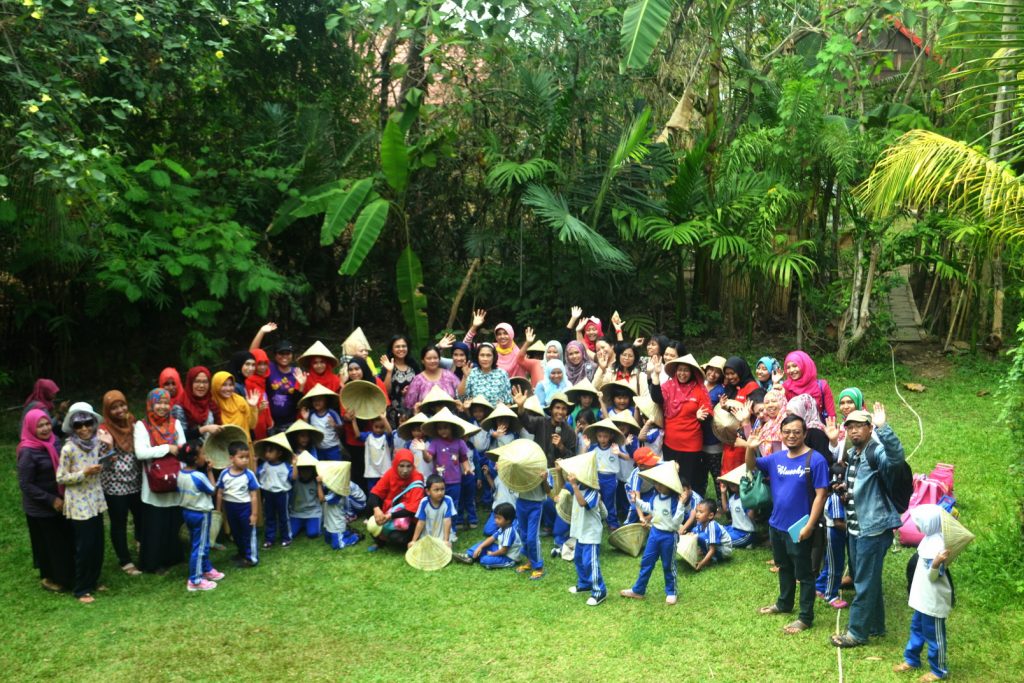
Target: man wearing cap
285, 383
870, 519
553, 433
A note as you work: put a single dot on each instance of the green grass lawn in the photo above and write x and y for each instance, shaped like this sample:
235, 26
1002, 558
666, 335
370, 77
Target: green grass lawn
313, 614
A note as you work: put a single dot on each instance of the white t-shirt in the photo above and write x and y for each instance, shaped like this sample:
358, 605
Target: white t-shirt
934, 598
740, 521
325, 423
377, 456
433, 517
275, 477
236, 487
607, 461
586, 525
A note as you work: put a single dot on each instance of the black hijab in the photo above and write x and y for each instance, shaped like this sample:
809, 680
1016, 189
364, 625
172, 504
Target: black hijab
740, 367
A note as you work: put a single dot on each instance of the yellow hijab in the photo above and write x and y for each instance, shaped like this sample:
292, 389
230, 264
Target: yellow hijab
234, 410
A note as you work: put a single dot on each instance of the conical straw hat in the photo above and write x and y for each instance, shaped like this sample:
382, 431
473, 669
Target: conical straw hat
649, 409
306, 459
216, 447
606, 390
468, 428
717, 362
502, 410
354, 341
279, 440
335, 475
735, 475
300, 425
629, 538
363, 399
625, 418
405, 429
688, 550
532, 405
481, 401
584, 386
955, 535
724, 424
563, 506
436, 396
317, 349
559, 396
557, 479
445, 416
666, 474
521, 465
372, 528
688, 359
591, 431
583, 467
428, 554
536, 347
320, 391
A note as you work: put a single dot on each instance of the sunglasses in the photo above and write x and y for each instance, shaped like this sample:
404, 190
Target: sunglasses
87, 423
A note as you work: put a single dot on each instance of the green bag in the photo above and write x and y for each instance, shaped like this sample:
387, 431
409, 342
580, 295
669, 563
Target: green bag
755, 494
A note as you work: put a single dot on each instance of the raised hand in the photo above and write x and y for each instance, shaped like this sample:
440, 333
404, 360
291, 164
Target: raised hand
268, 328
105, 438
575, 312
530, 336
387, 363
703, 413
479, 315
519, 396
300, 377
831, 429
639, 341
654, 365
616, 320
754, 440
581, 324
602, 359
254, 397
777, 375
878, 415
446, 341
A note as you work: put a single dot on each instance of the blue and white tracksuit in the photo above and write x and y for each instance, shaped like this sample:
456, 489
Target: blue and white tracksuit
336, 510
834, 563
931, 598
741, 531
714, 535
667, 514
636, 483
529, 507
276, 483
503, 538
197, 491
305, 511
586, 528
608, 478
236, 490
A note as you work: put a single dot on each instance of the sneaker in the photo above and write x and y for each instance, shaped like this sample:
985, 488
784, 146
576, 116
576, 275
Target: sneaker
462, 558
268, 544
203, 585
244, 563
670, 599
628, 593
213, 575
594, 602
523, 568
555, 552
285, 544
576, 590
537, 574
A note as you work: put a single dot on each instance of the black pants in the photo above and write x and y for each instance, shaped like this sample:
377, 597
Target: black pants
53, 548
160, 545
693, 468
118, 508
89, 545
794, 563
357, 456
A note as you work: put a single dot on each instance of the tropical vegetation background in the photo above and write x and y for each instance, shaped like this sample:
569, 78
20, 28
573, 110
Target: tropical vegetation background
175, 173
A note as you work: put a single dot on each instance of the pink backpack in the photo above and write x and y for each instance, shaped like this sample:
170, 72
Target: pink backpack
926, 491
943, 473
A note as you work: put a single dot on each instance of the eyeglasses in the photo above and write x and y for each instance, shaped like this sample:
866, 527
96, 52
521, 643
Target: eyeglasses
87, 423
792, 432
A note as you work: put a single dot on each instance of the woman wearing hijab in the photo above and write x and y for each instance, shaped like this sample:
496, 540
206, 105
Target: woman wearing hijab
354, 446
578, 365
553, 382
257, 381
850, 399
43, 394
685, 404
170, 381
801, 377
241, 366
395, 500
42, 500
157, 436
764, 369
740, 385
535, 367
508, 352
195, 409
232, 408
770, 422
121, 478
804, 406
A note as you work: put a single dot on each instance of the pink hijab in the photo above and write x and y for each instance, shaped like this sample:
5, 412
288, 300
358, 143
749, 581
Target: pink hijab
507, 357
30, 440
44, 391
808, 382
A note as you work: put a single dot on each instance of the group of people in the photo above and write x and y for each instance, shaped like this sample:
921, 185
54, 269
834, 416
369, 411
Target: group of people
627, 428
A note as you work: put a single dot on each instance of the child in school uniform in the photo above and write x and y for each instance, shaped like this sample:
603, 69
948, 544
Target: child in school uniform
303, 436
631, 443
275, 477
410, 435
606, 440
435, 513
195, 484
637, 488
741, 527
664, 512
341, 496
585, 399
306, 510
320, 408
691, 499
496, 430
712, 538
479, 408
238, 499
502, 493
586, 527
831, 577
380, 445
500, 549
583, 422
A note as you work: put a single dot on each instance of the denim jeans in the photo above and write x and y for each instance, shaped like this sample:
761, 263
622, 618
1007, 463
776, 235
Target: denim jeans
867, 611
794, 563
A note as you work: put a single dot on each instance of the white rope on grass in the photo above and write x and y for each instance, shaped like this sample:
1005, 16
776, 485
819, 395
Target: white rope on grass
895, 385
839, 650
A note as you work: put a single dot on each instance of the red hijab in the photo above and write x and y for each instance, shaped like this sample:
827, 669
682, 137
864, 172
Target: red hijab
43, 393
328, 378
197, 409
171, 373
258, 382
30, 440
391, 484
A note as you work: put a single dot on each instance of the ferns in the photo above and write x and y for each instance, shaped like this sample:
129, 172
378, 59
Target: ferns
504, 176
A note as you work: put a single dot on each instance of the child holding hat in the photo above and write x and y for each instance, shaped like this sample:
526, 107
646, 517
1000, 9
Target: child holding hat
342, 497
585, 526
644, 458
665, 512
275, 477
606, 438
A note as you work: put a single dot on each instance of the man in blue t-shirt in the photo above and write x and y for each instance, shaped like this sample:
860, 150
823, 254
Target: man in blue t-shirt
799, 480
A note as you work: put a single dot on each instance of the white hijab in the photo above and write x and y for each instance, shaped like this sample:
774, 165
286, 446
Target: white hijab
928, 519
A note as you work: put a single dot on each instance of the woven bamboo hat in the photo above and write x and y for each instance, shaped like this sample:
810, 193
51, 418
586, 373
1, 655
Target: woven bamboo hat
563, 506
666, 474
955, 535
428, 554
316, 434
557, 479
536, 347
317, 349
717, 362
532, 405
216, 447
320, 391
559, 396
469, 429
405, 429
724, 424
649, 409
629, 538
606, 390
688, 359
372, 528
523, 383
502, 410
688, 550
583, 467
591, 431
735, 475
584, 386
335, 475
438, 398
354, 342
521, 464
625, 418
445, 416
306, 459
481, 401
363, 399
279, 440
